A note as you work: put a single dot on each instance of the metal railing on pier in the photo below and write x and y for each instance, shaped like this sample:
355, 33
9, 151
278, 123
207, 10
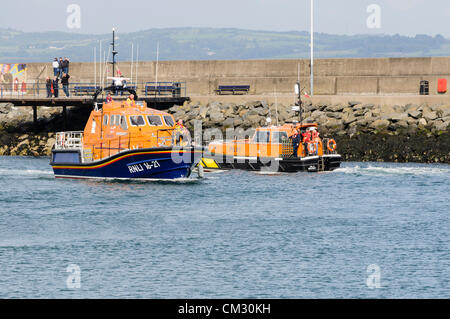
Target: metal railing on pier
39, 89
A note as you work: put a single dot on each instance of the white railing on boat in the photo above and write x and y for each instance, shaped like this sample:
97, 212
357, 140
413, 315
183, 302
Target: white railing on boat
73, 141
69, 141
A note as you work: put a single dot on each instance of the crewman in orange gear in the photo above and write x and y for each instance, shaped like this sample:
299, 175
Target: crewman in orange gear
181, 133
307, 137
314, 134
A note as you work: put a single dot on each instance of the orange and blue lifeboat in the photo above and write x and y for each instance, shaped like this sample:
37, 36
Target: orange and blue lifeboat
126, 140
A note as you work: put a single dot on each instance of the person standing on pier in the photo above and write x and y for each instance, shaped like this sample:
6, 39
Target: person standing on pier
48, 85
65, 83
55, 67
61, 65
55, 87
65, 64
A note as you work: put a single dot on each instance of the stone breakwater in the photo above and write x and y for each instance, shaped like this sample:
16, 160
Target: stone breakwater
19, 137
364, 132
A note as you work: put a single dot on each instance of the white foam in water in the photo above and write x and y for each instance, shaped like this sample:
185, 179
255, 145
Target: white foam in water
400, 170
24, 172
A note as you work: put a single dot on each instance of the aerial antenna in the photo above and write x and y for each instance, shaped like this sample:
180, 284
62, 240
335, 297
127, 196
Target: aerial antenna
276, 104
95, 67
114, 53
132, 57
298, 91
157, 62
137, 64
100, 65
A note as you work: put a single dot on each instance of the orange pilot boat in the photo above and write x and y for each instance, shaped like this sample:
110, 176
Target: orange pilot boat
292, 147
125, 140
275, 147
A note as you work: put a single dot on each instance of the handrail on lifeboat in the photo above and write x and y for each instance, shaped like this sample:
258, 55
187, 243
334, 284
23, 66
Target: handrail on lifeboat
113, 88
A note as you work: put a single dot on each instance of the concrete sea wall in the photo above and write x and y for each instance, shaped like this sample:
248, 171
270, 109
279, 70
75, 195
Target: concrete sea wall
383, 76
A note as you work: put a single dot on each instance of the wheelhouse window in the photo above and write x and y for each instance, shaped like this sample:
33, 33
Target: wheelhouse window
123, 123
262, 137
169, 120
137, 120
94, 126
114, 120
117, 120
105, 120
279, 137
154, 120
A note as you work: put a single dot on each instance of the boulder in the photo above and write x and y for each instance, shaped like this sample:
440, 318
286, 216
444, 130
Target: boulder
228, 123
354, 103
362, 122
237, 121
430, 116
442, 126
334, 115
360, 112
415, 114
333, 124
395, 117
310, 108
203, 111
254, 120
379, 124
253, 104
422, 122
445, 112
350, 118
335, 108
411, 107
216, 116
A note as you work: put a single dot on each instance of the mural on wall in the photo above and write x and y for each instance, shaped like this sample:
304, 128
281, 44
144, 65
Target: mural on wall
13, 77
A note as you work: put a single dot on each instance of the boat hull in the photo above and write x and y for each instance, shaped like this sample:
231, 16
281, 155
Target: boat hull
140, 164
306, 164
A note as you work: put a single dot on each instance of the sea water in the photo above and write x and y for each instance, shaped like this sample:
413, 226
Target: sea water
367, 230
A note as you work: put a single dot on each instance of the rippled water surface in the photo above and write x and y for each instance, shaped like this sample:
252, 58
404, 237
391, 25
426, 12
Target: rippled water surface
232, 235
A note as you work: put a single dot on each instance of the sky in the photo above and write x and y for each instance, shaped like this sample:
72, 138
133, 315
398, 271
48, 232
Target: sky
405, 17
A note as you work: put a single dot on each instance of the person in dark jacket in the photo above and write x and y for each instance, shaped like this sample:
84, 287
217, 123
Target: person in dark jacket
55, 87
48, 85
65, 83
66, 63
61, 66
296, 139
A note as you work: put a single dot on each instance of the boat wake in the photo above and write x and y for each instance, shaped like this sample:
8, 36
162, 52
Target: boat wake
25, 172
401, 170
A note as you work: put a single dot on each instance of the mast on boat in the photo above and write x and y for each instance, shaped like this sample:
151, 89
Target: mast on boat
114, 53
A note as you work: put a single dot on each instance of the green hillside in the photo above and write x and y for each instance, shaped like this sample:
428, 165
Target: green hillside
214, 44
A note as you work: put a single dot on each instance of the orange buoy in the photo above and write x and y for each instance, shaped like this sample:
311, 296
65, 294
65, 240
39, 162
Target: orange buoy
312, 148
331, 145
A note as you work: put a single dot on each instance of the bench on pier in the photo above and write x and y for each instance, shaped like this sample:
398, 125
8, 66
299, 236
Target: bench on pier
233, 89
84, 89
163, 88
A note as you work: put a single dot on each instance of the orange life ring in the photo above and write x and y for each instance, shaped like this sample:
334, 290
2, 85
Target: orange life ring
331, 145
312, 148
